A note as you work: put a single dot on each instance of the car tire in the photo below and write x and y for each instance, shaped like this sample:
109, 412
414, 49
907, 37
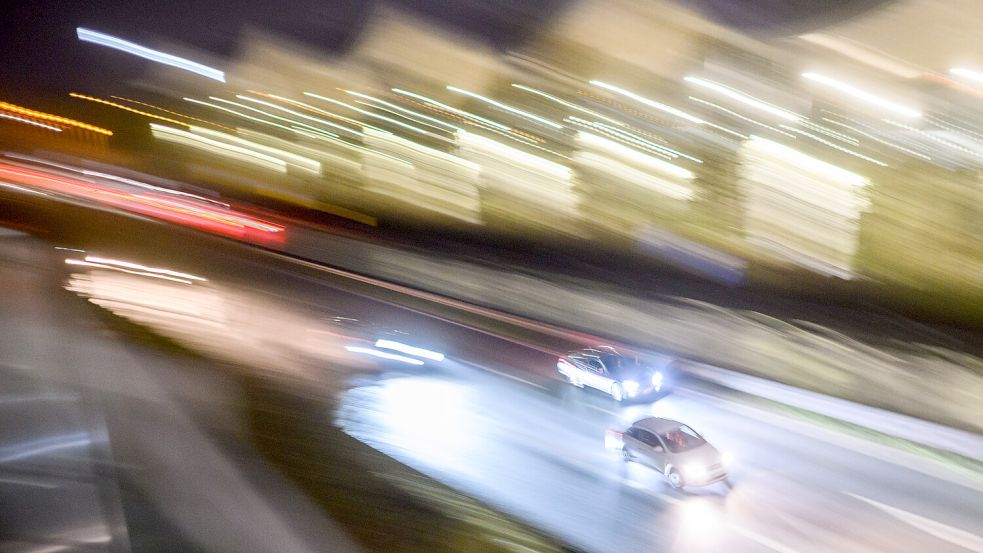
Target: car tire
675, 478
617, 392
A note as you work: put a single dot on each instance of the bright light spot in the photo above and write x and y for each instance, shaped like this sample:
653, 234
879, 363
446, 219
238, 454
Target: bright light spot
657, 381
116, 43
863, 95
967, 73
727, 458
630, 386
700, 522
409, 350
744, 98
613, 439
384, 355
694, 472
651, 103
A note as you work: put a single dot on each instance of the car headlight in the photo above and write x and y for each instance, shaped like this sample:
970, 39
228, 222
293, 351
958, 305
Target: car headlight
630, 386
657, 381
727, 458
693, 471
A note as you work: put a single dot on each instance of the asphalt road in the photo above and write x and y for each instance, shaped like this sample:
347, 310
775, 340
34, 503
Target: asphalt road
483, 421
540, 454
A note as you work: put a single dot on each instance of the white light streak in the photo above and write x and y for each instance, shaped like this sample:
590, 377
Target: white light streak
409, 350
616, 149
301, 115
384, 355
508, 108
565, 103
836, 146
863, 95
102, 39
802, 160
744, 98
651, 103
739, 116
967, 74
381, 117
29, 122
452, 109
404, 110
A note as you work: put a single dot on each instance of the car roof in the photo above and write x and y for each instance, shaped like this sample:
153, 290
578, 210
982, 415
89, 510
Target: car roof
657, 425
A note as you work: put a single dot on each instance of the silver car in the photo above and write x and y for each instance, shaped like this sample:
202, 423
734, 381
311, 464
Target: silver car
675, 450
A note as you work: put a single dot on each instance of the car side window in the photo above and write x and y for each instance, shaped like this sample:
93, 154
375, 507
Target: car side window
647, 438
595, 365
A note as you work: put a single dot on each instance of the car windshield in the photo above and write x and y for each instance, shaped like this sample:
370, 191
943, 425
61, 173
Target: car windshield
681, 439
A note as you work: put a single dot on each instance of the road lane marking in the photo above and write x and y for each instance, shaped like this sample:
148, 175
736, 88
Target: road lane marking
962, 538
762, 540
505, 374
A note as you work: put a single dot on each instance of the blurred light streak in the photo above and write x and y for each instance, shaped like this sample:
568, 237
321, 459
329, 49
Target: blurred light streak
967, 74
292, 112
384, 355
139, 103
565, 103
506, 107
934, 138
290, 157
949, 124
184, 212
604, 129
651, 103
614, 148
878, 139
117, 178
266, 113
236, 113
315, 109
835, 146
102, 39
863, 55
219, 148
53, 118
830, 132
624, 135
44, 445
739, 116
138, 273
451, 109
409, 350
403, 110
545, 165
862, 95
744, 98
29, 122
21, 189
127, 108
357, 147
139, 267
396, 122
398, 114
800, 159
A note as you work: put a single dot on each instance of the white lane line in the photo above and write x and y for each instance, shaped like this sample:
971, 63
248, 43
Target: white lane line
505, 374
762, 540
945, 532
